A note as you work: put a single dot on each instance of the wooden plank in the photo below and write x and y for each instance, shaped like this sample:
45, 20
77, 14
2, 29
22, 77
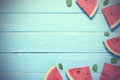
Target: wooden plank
40, 62
36, 76
39, 76
43, 6
53, 22
54, 41
21, 76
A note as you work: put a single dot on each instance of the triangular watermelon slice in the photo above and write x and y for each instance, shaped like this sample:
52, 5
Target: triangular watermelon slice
88, 6
112, 15
110, 72
113, 45
79, 73
53, 74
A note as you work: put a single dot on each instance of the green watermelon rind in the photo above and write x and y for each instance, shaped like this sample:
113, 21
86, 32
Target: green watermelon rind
112, 51
48, 72
94, 11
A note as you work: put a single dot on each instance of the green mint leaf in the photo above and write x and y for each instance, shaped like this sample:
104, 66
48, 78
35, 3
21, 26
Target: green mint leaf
114, 61
69, 3
60, 66
106, 33
95, 67
106, 2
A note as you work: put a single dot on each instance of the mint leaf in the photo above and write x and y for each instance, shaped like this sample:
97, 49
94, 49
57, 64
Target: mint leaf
106, 33
95, 67
106, 2
60, 66
69, 3
114, 61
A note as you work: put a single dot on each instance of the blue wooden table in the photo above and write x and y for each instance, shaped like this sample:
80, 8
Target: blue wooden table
35, 34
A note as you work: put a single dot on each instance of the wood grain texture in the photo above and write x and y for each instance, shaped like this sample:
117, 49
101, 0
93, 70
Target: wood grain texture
43, 6
54, 22
40, 62
54, 42
34, 66
36, 76
35, 34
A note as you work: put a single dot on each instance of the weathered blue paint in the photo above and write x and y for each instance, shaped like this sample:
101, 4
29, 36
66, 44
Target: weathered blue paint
36, 34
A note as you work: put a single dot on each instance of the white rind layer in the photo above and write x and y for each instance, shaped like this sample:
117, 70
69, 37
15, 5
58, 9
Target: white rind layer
69, 75
91, 15
49, 72
115, 24
107, 46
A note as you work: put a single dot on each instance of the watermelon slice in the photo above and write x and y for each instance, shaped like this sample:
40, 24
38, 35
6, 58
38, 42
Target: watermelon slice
53, 74
112, 15
113, 45
79, 73
88, 6
110, 72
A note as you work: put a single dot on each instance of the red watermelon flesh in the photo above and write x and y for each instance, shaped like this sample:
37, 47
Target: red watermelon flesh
88, 6
113, 45
53, 74
112, 15
79, 73
110, 72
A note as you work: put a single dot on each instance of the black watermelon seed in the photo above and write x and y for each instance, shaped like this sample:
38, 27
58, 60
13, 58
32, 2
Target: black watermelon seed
103, 73
87, 73
117, 39
78, 71
110, 13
